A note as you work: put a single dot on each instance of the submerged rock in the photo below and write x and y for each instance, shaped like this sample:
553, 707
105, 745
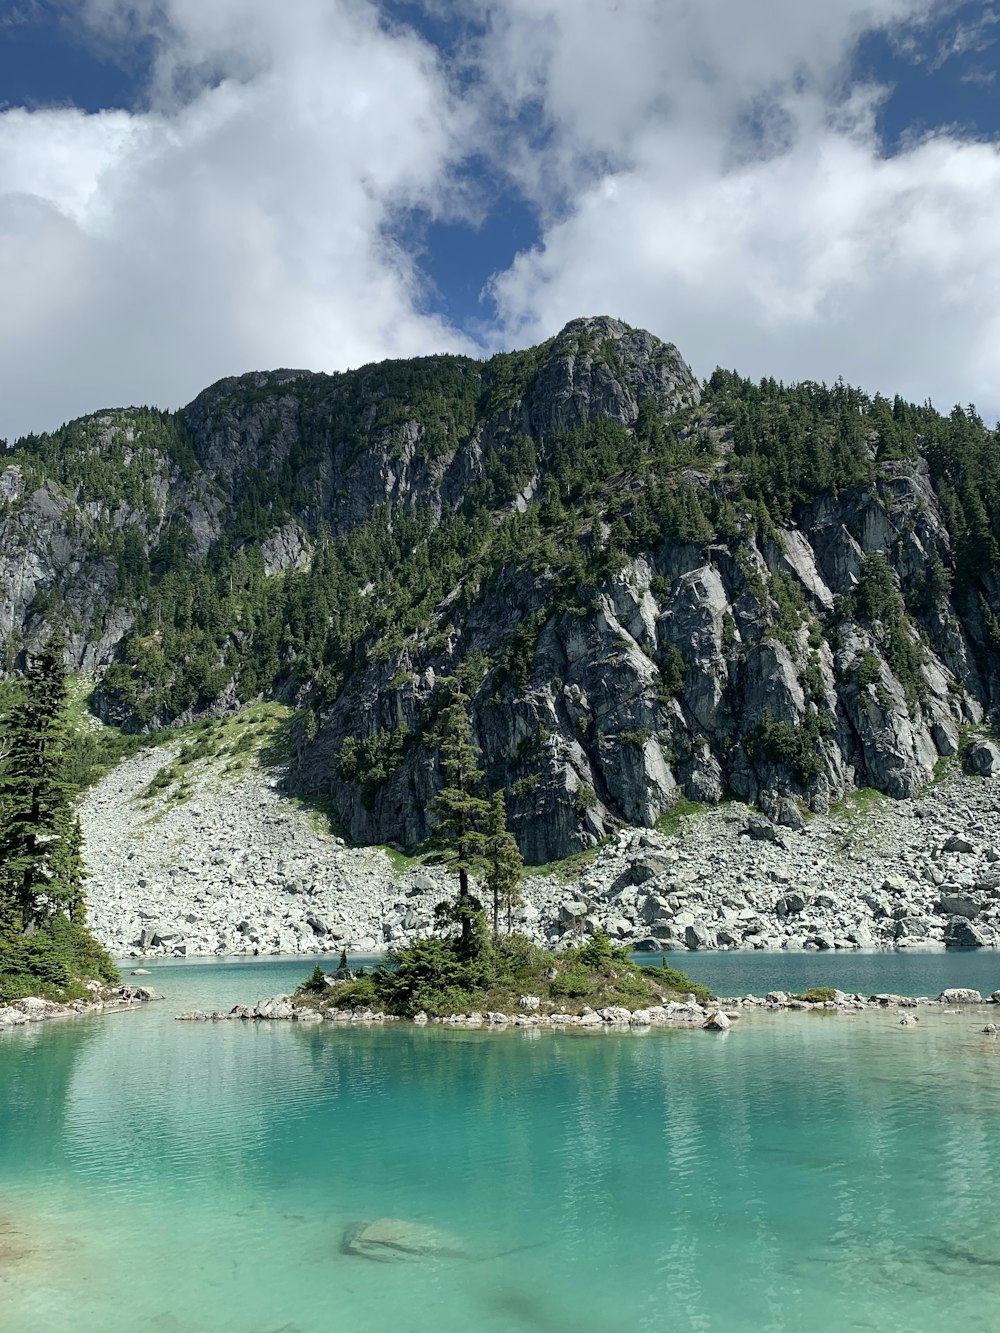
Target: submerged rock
390, 1240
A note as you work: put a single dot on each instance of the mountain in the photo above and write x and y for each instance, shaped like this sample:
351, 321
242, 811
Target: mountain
751, 589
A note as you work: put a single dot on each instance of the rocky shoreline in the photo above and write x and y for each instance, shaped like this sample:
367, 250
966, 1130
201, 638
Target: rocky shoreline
717, 1016
107, 1000
239, 868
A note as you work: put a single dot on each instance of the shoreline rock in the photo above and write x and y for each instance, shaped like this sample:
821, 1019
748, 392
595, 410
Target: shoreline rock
717, 1016
35, 1009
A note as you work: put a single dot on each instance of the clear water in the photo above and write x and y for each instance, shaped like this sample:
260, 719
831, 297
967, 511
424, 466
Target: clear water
800, 1173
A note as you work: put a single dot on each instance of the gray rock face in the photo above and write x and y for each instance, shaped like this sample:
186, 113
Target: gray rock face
602, 368
983, 757
683, 675
960, 995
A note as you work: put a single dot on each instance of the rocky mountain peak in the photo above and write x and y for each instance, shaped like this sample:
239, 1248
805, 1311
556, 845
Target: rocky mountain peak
601, 367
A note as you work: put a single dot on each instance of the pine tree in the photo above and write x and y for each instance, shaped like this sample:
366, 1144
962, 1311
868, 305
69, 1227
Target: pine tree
504, 864
40, 862
459, 810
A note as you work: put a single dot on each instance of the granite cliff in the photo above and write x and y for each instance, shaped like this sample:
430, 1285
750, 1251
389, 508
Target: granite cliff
672, 590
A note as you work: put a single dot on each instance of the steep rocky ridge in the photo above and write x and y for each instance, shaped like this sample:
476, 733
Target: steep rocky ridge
752, 592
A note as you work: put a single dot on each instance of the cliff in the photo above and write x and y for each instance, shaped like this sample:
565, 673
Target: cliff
777, 594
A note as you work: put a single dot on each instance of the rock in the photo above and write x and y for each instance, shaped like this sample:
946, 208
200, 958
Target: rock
699, 936
952, 905
907, 1020
982, 757
991, 1029
529, 1002
962, 934
572, 912
761, 830
994, 998
391, 1240
957, 844
643, 869
791, 903
789, 815
717, 1022
960, 995
140, 972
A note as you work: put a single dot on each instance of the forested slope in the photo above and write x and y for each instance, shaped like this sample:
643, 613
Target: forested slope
775, 591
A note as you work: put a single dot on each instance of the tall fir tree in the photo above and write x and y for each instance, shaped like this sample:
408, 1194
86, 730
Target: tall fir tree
504, 864
41, 867
459, 809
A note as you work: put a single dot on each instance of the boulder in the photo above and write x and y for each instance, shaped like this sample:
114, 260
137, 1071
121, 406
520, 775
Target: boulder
789, 815
571, 912
717, 1022
390, 1240
792, 902
956, 843
760, 829
955, 905
982, 757
699, 936
529, 1002
962, 934
960, 995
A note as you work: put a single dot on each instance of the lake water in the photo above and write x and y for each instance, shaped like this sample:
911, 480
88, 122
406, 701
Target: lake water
801, 1174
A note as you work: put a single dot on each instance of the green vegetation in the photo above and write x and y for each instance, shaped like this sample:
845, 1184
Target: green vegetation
393, 582
437, 978
818, 995
672, 822
45, 947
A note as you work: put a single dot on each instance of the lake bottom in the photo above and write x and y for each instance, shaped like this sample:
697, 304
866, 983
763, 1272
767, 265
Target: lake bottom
802, 1172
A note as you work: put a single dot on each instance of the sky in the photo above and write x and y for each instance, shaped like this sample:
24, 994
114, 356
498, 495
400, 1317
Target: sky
196, 188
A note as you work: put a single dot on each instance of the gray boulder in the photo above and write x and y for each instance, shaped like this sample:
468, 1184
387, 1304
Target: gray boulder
760, 829
960, 995
962, 934
983, 757
954, 905
956, 843
699, 936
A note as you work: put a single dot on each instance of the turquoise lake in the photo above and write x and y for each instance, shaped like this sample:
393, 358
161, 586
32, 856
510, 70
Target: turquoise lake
800, 1173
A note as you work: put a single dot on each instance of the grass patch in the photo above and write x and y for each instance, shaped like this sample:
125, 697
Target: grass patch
672, 824
817, 995
860, 802
570, 867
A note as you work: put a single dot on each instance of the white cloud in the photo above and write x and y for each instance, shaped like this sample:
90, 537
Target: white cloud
239, 222
706, 168
742, 205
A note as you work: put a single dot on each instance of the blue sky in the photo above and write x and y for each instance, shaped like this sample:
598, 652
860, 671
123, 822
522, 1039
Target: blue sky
192, 188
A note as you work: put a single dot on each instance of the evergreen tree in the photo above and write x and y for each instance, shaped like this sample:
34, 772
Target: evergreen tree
504, 864
460, 812
40, 842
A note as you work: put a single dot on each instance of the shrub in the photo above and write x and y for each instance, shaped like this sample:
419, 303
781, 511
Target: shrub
680, 983
818, 994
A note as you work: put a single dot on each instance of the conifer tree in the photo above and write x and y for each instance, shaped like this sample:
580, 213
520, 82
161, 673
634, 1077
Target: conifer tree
460, 811
504, 864
40, 843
